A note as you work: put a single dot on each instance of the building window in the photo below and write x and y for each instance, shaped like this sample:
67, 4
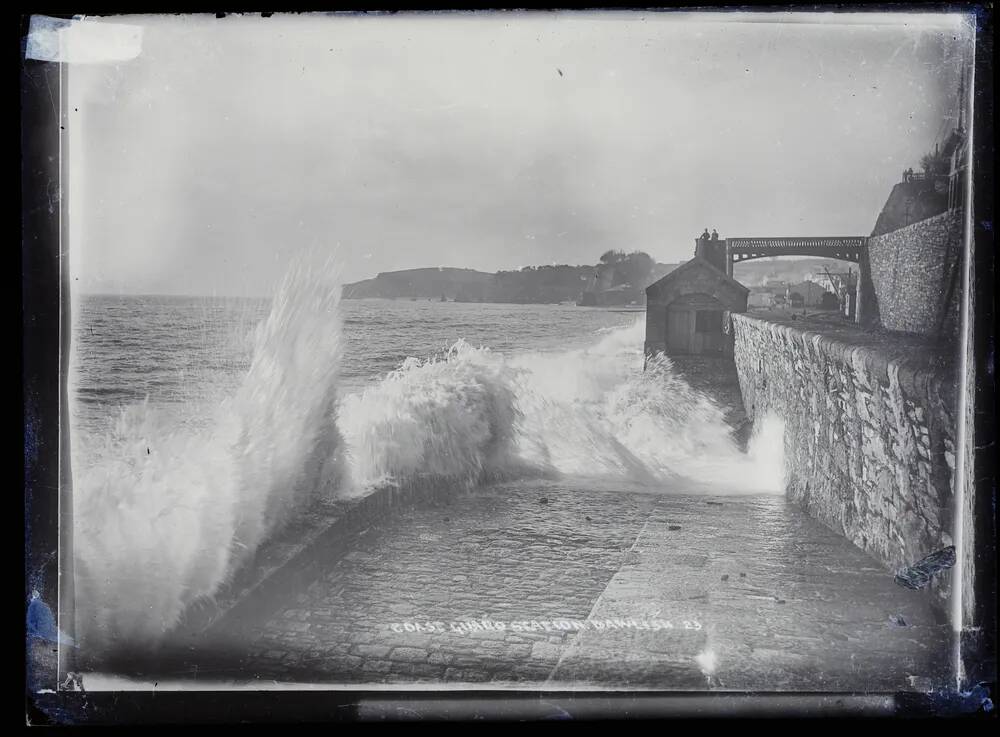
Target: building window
708, 321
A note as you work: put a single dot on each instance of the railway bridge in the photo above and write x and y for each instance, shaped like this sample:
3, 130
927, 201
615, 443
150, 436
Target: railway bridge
853, 249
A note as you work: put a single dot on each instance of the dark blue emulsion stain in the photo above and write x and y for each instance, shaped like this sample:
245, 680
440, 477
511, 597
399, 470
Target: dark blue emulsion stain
919, 574
557, 711
977, 699
42, 623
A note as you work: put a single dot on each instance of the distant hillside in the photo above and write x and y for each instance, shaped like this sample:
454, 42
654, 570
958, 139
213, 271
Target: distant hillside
610, 286
602, 284
530, 285
537, 285
758, 272
911, 201
660, 271
432, 283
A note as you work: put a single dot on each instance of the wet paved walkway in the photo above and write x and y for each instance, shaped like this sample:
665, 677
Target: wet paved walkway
552, 584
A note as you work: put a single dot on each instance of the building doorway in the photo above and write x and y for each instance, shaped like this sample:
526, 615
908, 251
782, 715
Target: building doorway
694, 326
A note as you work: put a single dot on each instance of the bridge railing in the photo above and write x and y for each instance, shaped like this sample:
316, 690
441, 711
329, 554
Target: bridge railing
807, 243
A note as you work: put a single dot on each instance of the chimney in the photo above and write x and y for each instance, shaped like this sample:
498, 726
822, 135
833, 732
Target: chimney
712, 251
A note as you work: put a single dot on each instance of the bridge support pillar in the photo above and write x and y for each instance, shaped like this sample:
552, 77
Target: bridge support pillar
866, 309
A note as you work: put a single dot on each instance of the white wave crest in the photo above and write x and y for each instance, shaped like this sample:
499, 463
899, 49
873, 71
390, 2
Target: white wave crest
451, 417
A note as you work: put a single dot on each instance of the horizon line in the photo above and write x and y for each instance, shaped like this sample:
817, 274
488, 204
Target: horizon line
74, 292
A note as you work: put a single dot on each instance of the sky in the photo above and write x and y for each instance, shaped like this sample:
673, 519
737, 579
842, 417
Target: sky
487, 140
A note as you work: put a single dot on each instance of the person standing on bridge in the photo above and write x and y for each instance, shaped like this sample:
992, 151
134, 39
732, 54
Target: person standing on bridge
705, 236
715, 235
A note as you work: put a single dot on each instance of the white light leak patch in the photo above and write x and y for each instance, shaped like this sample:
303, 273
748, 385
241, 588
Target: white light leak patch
80, 41
708, 661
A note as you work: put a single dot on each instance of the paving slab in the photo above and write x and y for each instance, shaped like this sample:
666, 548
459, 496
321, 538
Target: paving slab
570, 585
761, 597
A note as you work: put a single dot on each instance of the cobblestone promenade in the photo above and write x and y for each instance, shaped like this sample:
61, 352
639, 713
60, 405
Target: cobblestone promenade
605, 589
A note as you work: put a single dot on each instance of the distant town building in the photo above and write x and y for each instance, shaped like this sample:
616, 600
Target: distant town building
838, 282
810, 292
829, 301
759, 298
844, 284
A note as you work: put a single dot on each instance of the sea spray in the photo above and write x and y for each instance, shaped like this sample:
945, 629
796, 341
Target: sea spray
153, 526
599, 412
671, 428
765, 456
452, 418
473, 415
288, 447
170, 512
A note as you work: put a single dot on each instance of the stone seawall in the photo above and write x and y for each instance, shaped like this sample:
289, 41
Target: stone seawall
915, 272
869, 431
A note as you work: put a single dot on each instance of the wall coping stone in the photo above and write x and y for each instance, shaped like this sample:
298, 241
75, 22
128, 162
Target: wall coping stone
950, 216
922, 367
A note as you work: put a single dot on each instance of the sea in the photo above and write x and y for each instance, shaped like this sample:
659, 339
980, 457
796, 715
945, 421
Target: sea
182, 353
201, 425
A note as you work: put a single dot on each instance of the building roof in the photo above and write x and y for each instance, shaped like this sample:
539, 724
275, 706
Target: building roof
695, 264
807, 286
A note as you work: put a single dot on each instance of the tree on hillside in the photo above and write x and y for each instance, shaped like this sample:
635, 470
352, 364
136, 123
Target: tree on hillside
637, 268
634, 268
935, 163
